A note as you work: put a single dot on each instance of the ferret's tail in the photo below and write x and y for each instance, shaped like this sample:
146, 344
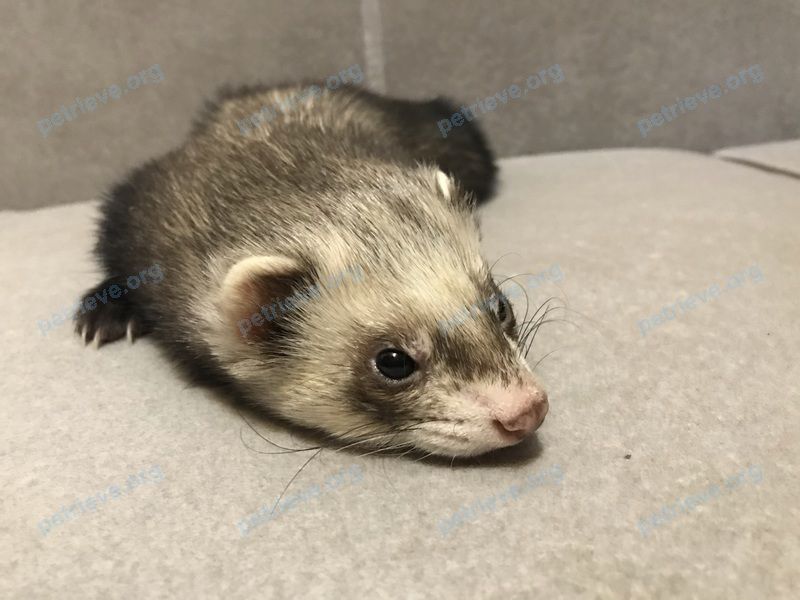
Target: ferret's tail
426, 130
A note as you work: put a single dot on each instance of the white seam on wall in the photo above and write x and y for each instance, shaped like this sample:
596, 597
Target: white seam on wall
373, 44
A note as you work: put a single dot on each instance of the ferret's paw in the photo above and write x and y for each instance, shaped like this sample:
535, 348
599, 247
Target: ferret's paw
108, 323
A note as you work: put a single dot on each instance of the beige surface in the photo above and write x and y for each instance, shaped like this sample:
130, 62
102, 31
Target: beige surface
779, 157
697, 402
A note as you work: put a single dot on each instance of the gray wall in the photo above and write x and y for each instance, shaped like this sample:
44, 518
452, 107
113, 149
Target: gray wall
621, 59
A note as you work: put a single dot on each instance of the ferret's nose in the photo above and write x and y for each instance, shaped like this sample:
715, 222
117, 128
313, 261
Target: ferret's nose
524, 415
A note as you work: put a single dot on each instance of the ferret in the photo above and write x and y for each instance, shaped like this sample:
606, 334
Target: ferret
344, 181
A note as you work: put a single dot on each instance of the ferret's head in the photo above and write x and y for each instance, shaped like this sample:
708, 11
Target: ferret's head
414, 347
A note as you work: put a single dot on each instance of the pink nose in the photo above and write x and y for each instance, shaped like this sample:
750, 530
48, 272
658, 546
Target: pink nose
523, 416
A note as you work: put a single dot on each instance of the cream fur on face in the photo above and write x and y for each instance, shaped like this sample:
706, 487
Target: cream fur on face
435, 280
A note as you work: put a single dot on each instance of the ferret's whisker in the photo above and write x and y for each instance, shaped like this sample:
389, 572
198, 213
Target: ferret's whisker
386, 449
535, 328
258, 433
424, 457
276, 452
531, 325
310, 458
541, 359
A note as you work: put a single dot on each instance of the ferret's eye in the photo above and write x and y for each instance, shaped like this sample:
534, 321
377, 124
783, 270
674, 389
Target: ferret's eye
395, 364
503, 309
505, 314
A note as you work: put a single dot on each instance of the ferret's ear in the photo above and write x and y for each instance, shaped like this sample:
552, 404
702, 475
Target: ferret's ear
448, 189
445, 185
256, 292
